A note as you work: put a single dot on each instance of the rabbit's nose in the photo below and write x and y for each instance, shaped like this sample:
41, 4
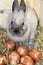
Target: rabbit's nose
16, 31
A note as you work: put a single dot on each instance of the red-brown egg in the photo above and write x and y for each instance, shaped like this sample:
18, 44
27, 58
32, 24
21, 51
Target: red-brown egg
27, 60
3, 60
22, 50
14, 58
35, 54
9, 44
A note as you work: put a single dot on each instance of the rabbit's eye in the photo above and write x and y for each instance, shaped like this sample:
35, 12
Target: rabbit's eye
23, 23
11, 22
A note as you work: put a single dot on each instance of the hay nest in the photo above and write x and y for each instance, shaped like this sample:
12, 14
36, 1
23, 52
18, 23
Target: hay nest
38, 43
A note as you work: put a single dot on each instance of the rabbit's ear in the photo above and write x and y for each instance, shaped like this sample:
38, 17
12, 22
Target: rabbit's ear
15, 5
23, 5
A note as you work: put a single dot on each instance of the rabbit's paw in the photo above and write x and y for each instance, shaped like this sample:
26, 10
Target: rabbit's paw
31, 45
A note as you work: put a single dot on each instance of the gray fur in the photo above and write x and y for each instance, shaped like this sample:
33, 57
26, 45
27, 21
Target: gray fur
15, 5
27, 31
23, 5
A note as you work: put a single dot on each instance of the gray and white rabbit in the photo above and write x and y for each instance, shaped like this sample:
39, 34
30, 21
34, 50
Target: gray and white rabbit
22, 23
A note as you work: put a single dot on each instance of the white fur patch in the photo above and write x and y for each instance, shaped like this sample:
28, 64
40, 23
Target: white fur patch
30, 21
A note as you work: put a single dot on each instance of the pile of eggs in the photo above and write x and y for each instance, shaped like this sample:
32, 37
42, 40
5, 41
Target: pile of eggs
20, 55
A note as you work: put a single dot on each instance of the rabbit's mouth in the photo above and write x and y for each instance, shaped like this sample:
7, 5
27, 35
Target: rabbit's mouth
17, 31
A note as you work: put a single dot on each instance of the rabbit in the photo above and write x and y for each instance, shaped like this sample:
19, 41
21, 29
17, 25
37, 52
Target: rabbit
22, 24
